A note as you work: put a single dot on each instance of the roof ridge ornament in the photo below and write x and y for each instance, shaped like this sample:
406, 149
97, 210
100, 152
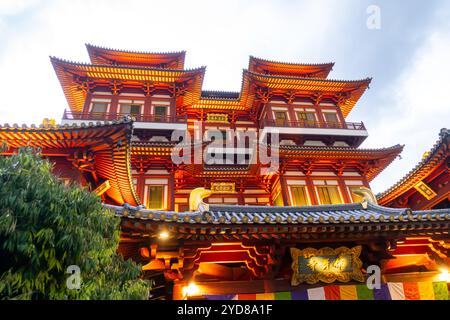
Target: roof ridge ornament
196, 199
48, 123
367, 195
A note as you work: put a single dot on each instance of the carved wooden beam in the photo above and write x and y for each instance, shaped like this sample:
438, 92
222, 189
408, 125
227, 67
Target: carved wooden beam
290, 96
148, 88
317, 98
263, 94
115, 87
339, 167
307, 167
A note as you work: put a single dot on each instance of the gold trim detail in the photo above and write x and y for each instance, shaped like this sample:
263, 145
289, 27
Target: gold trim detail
327, 269
223, 187
101, 189
425, 190
217, 117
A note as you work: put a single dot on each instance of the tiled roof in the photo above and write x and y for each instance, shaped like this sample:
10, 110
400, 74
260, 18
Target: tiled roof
318, 70
209, 94
84, 124
108, 140
436, 155
68, 71
383, 156
340, 149
100, 55
350, 90
328, 214
317, 223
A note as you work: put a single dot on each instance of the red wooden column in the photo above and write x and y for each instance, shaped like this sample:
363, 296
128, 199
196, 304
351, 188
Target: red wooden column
292, 115
241, 200
173, 107
171, 191
147, 106
269, 115
240, 190
113, 109
140, 187
341, 117
320, 115
284, 190
344, 192
87, 103
311, 190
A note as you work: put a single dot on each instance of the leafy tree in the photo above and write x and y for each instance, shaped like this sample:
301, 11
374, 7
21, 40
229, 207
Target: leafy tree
46, 226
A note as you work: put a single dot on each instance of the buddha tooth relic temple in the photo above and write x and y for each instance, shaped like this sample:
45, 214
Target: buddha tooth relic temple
258, 194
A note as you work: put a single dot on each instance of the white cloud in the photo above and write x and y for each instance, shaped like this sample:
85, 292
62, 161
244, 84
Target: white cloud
420, 107
13, 7
220, 35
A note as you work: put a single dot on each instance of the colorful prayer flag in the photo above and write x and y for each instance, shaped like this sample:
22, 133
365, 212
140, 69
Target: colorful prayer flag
348, 292
316, 294
396, 291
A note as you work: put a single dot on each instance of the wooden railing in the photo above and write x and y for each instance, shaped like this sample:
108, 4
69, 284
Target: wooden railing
313, 124
109, 116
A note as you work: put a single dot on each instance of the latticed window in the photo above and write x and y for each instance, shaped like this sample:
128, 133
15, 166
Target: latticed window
280, 118
306, 117
99, 110
299, 196
131, 109
155, 197
332, 119
329, 195
160, 112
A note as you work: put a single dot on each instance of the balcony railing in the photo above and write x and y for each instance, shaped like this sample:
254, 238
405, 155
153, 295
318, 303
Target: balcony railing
313, 124
110, 116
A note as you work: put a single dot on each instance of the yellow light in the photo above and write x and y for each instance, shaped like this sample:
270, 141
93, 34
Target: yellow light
444, 275
191, 290
163, 235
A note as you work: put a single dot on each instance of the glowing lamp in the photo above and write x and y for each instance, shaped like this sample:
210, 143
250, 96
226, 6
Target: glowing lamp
191, 290
444, 275
163, 235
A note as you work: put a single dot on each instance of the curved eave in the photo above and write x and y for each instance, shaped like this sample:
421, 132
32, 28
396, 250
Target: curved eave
67, 72
320, 70
102, 55
437, 155
111, 160
152, 148
225, 104
349, 92
382, 157
151, 151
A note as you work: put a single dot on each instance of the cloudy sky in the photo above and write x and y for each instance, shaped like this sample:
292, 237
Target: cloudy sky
408, 56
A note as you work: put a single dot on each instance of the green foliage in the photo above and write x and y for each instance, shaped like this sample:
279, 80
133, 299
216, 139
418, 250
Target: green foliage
46, 227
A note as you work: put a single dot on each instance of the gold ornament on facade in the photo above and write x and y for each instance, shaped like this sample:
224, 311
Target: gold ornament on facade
217, 117
326, 265
223, 187
425, 190
48, 123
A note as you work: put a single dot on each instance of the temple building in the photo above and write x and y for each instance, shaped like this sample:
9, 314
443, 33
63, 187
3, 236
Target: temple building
427, 185
260, 193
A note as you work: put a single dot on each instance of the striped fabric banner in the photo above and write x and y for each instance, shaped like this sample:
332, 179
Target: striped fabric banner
389, 291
